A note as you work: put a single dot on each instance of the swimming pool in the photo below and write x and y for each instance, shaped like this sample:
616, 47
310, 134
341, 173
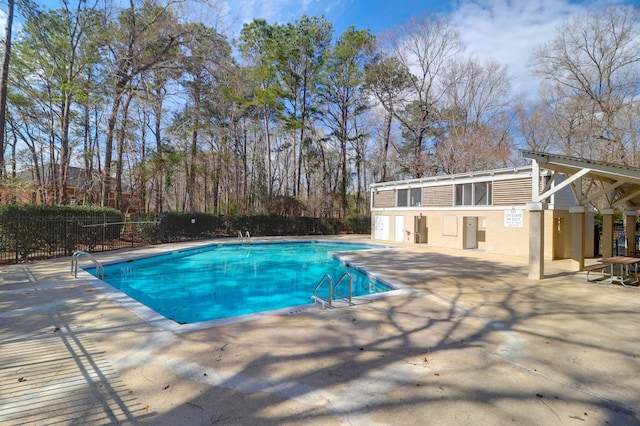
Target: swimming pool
229, 280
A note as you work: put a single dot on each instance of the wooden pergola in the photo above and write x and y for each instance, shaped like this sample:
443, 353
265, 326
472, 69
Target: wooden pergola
613, 186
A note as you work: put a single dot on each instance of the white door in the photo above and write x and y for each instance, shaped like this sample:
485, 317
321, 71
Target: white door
471, 232
381, 228
399, 229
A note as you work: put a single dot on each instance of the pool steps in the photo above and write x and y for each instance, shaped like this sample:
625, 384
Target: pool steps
74, 263
244, 239
333, 290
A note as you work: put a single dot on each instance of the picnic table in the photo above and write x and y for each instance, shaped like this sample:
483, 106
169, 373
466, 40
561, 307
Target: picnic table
624, 262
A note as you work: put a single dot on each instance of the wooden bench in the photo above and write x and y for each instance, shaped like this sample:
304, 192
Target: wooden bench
601, 266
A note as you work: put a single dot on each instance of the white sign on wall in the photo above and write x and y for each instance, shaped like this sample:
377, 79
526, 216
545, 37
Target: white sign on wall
513, 218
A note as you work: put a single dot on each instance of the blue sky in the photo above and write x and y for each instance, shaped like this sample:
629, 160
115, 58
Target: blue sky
377, 15
505, 30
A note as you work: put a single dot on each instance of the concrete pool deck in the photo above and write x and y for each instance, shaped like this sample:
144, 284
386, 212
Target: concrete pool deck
476, 342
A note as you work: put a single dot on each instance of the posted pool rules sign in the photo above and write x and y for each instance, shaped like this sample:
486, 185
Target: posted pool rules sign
513, 218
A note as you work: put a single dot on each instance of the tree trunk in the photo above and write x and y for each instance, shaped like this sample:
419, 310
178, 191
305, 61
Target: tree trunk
192, 167
3, 81
108, 144
65, 152
385, 151
158, 178
120, 151
268, 153
343, 152
142, 203
245, 165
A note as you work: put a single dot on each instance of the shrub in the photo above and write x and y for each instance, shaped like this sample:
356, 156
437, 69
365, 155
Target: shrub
178, 226
30, 231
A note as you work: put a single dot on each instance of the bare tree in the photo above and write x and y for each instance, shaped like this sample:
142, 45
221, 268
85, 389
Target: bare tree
534, 125
144, 38
591, 73
425, 46
473, 114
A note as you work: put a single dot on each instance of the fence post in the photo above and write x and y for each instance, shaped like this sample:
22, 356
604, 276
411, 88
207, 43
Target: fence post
65, 236
17, 223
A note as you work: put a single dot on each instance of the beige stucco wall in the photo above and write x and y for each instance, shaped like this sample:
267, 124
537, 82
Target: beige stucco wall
492, 235
446, 228
503, 223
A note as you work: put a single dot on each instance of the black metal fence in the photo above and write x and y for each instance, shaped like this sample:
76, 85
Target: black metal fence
28, 237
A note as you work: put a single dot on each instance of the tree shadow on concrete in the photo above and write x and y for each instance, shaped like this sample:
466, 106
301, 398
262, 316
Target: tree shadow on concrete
475, 343
50, 373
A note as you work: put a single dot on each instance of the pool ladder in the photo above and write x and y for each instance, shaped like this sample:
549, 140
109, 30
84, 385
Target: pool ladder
244, 239
333, 290
74, 263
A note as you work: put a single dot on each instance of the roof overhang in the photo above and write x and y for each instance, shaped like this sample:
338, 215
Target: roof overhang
482, 175
616, 185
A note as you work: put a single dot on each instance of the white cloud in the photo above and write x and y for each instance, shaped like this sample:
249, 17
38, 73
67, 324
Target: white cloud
509, 30
3, 23
505, 30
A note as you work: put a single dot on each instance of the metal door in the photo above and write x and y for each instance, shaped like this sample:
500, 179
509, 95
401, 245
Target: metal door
471, 232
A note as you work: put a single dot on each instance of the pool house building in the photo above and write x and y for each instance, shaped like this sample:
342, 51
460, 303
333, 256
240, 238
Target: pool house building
544, 211
484, 210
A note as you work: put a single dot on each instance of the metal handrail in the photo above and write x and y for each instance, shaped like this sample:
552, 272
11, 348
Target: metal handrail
244, 238
74, 263
417, 234
157, 222
335, 287
322, 300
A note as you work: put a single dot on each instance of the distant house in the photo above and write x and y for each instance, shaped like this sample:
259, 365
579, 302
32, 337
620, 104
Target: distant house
484, 210
82, 188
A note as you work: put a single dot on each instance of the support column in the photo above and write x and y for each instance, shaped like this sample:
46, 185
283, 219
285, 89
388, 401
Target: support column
577, 237
536, 240
630, 231
607, 233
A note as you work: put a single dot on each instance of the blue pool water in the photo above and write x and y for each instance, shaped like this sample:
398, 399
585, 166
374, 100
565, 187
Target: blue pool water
229, 280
